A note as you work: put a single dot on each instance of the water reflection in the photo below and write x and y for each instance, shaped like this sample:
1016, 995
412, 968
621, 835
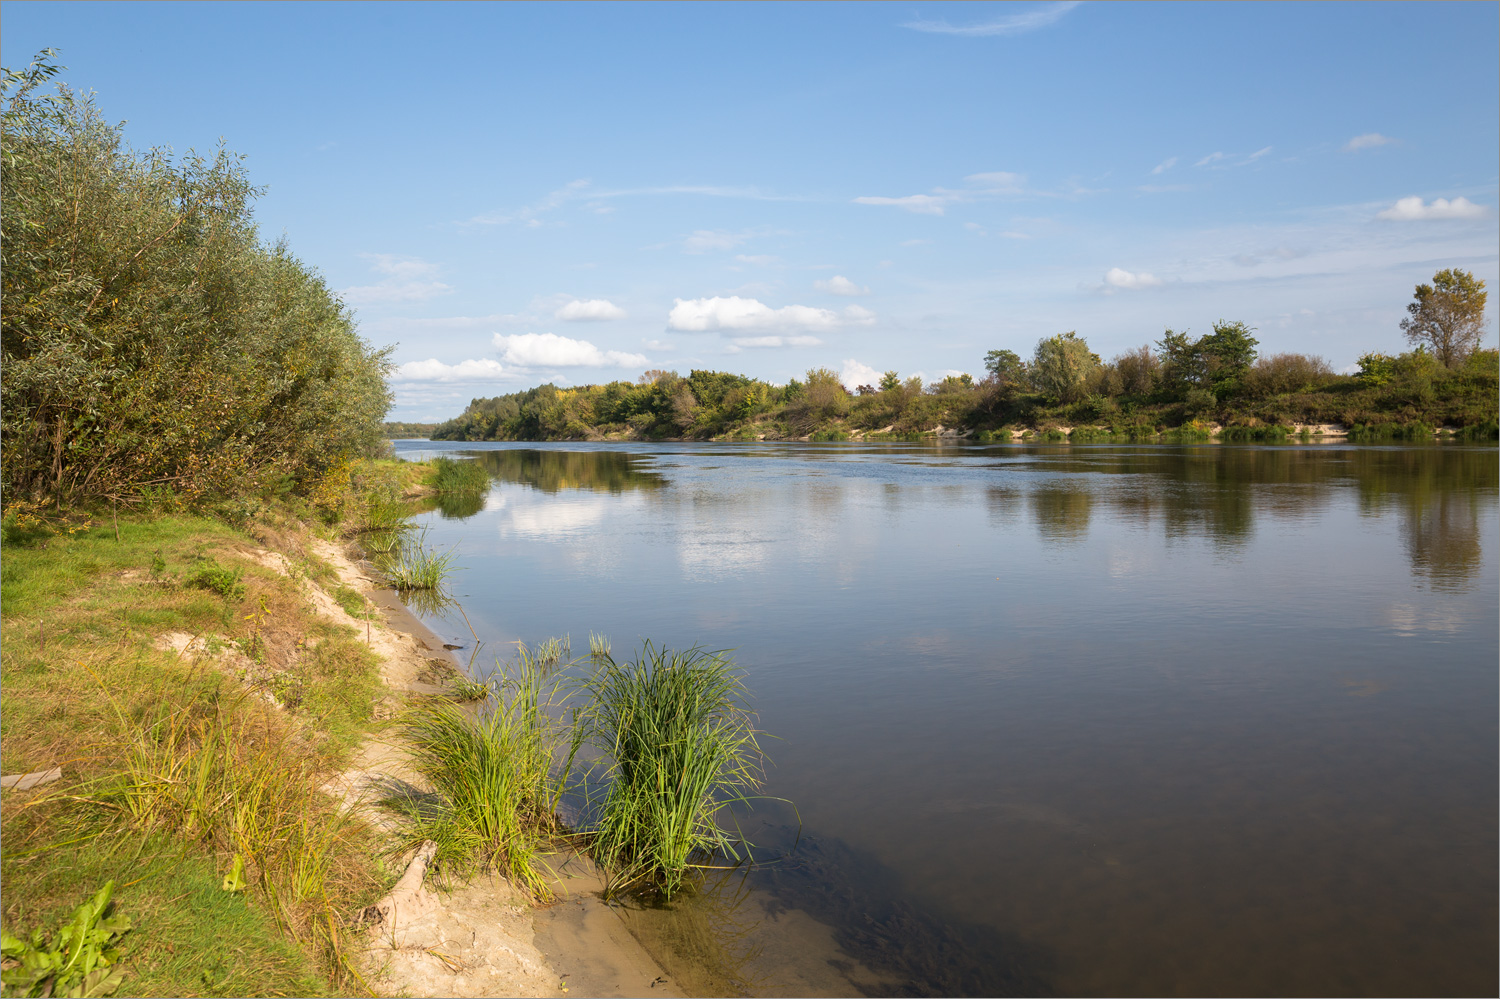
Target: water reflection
553, 471
1062, 512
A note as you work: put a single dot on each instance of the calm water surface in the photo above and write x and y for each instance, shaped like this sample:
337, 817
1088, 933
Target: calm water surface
1116, 721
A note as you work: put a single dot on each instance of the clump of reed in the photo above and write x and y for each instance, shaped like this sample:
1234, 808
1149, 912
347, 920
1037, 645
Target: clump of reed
496, 789
411, 565
598, 648
553, 651
453, 476
681, 746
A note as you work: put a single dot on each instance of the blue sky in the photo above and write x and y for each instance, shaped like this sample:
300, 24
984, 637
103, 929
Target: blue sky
517, 193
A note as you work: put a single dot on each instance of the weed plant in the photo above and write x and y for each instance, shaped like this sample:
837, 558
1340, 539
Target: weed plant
411, 565
680, 747
496, 787
598, 648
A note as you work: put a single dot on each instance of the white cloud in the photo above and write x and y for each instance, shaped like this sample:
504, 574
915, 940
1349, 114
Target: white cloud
855, 374
1367, 141
1119, 278
1263, 151
658, 345
1210, 158
840, 285
916, 242
548, 350
921, 204
401, 281
433, 370
776, 341
592, 310
1010, 24
1015, 235
758, 260
698, 315
1414, 209
1164, 166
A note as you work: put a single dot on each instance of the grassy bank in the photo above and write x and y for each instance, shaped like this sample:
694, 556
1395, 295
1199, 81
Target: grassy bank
175, 666
179, 675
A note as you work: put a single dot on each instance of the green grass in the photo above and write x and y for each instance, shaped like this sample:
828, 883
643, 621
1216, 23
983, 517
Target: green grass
681, 746
450, 475
172, 767
189, 936
495, 787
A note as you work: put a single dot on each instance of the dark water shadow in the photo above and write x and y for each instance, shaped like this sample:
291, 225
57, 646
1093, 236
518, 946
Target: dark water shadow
922, 952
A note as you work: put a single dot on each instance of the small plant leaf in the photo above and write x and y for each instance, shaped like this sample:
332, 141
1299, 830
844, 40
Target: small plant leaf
235, 879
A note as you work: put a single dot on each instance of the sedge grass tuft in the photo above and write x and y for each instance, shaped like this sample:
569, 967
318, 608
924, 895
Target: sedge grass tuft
493, 775
681, 747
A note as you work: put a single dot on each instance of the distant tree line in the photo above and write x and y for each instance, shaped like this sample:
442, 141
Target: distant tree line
1220, 376
150, 339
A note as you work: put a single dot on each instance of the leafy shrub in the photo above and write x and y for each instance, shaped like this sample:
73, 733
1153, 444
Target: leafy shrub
210, 575
149, 336
1278, 374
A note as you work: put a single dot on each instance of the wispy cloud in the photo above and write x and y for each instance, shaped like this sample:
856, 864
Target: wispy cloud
596, 200
1010, 24
1164, 166
548, 350
1414, 209
702, 315
592, 310
1225, 160
401, 281
706, 240
753, 342
978, 187
1367, 141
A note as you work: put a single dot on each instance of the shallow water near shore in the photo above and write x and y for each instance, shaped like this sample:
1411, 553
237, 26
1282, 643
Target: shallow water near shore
1151, 720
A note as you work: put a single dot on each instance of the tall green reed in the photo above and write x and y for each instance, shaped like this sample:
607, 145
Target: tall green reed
494, 774
681, 747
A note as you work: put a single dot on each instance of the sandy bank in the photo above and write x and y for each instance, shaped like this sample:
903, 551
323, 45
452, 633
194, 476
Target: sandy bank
479, 938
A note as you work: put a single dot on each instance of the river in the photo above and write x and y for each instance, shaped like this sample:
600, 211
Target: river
1149, 720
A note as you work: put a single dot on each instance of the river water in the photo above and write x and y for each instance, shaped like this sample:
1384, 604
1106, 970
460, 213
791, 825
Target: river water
1149, 720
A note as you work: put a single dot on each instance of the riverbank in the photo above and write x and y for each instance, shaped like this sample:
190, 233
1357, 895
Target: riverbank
268, 662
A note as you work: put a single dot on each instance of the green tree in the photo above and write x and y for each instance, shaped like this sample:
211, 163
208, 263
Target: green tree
1447, 316
1062, 365
890, 381
1006, 367
1227, 354
148, 337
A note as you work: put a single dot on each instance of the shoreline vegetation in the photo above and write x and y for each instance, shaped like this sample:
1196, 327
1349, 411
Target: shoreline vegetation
204, 699
1182, 389
242, 747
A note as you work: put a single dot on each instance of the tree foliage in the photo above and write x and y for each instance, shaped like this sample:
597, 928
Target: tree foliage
1062, 366
1447, 316
149, 338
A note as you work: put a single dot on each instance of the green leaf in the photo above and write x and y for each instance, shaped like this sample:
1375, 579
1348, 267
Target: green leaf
235, 880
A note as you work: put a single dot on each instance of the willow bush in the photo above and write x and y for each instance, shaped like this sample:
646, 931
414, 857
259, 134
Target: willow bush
150, 339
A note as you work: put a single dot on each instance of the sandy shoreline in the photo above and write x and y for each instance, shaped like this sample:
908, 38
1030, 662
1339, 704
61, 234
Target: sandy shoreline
480, 938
